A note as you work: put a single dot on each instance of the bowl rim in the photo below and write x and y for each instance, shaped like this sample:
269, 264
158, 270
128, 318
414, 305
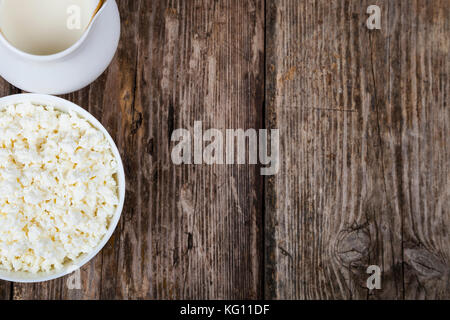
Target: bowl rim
65, 106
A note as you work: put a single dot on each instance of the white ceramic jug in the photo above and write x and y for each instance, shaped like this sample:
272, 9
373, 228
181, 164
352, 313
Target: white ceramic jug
68, 70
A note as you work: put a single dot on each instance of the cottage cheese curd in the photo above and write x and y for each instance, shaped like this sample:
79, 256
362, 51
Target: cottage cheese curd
58, 187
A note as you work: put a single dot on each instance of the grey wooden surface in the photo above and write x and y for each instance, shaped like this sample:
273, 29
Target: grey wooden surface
365, 174
364, 177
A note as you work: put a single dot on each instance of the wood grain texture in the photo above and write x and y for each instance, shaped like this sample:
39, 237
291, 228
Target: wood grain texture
364, 126
186, 231
364, 178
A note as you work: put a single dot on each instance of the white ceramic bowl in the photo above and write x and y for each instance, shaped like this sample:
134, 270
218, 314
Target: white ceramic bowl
65, 106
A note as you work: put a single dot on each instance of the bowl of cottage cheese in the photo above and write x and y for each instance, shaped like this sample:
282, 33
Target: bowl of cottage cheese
62, 187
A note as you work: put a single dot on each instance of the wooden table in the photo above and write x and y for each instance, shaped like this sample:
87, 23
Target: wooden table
364, 141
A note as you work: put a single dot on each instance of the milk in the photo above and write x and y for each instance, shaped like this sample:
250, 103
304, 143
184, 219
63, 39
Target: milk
44, 27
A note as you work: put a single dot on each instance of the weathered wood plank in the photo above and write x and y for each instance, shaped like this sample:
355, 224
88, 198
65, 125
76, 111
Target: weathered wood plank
364, 126
187, 231
5, 290
417, 150
197, 226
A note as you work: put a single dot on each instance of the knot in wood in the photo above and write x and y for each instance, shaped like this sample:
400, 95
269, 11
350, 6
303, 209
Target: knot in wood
426, 263
352, 247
